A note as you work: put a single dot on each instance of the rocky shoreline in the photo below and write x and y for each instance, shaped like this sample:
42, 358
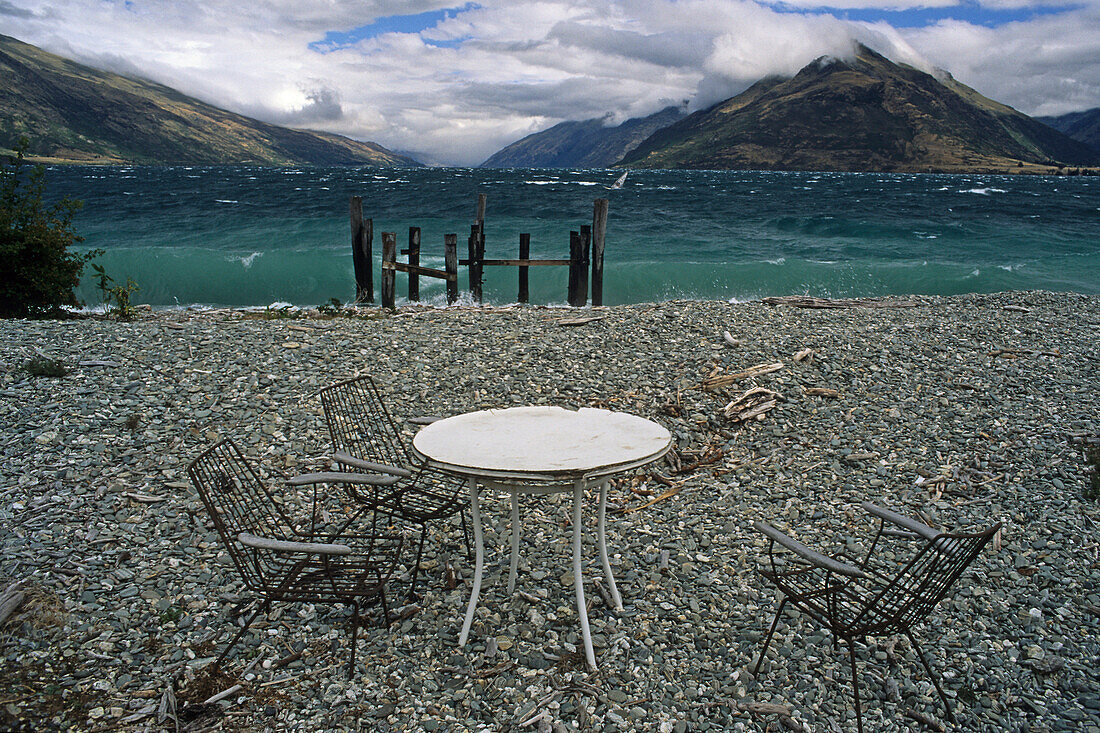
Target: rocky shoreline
957, 409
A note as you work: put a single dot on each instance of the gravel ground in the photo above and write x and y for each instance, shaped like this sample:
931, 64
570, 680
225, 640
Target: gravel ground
957, 410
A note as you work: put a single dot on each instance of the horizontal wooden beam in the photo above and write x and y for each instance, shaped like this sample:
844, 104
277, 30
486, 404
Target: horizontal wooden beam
518, 263
426, 271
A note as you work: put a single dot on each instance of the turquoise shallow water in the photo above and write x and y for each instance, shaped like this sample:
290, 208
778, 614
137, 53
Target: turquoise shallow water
254, 236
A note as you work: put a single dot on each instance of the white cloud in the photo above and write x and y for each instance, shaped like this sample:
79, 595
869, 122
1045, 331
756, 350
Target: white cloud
493, 72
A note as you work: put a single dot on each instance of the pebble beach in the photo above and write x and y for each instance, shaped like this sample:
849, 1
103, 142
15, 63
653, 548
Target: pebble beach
959, 410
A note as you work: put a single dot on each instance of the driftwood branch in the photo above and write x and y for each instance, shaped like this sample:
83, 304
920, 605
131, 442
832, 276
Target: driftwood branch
714, 381
751, 404
808, 301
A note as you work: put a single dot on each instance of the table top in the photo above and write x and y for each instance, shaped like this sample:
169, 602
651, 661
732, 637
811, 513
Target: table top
534, 442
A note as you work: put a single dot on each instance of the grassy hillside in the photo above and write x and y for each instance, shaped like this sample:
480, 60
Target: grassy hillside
71, 112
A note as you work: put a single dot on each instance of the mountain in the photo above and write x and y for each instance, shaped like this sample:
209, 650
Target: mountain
861, 114
587, 144
1083, 127
75, 113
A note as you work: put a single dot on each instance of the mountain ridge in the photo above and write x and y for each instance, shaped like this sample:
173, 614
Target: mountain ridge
581, 144
864, 114
1083, 126
75, 113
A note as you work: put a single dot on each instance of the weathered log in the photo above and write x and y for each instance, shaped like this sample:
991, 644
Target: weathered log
727, 379
822, 392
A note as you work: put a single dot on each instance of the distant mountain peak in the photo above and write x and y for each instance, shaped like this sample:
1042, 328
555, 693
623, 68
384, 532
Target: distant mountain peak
864, 113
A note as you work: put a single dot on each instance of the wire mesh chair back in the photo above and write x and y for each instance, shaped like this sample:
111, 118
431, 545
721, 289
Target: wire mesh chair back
360, 425
923, 583
237, 501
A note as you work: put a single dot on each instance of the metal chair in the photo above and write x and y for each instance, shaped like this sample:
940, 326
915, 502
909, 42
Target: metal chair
876, 596
279, 560
366, 438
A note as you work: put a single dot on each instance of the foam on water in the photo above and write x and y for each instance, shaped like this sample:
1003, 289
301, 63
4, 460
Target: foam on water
252, 235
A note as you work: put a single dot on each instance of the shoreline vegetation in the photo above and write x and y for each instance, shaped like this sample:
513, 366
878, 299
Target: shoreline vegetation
1007, 168
959, 410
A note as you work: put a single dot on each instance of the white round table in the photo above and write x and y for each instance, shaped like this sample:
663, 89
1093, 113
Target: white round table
541, 450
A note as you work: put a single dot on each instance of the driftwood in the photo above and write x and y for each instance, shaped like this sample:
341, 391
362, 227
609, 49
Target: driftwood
822, 392
577, 321
751, 404
804, 354
666, 495
764, 708
808, 301
1015, 308
10, 600
715, 381
729, 339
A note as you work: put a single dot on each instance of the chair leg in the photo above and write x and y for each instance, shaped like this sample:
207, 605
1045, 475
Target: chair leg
935, 680
354, 638
768, 638
416, 567
466, 536
225, 652
855, 684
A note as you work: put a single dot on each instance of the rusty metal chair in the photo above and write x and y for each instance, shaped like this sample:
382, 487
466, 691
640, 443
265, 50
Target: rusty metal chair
875, 596
366, 438
314, 561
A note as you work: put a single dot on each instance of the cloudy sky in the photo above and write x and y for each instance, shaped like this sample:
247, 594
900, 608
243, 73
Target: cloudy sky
453, 83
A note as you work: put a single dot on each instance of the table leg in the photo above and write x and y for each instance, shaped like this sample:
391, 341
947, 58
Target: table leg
479, 563
514, 565
602, 538
578, 579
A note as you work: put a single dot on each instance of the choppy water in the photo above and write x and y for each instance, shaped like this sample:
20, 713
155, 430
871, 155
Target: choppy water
254, 236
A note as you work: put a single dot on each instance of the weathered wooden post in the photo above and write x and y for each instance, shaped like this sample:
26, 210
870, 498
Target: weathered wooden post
476, 247
524, 254
450, 265
362, 259
578, 268
599, 231
481, 198
389, 274
414, 261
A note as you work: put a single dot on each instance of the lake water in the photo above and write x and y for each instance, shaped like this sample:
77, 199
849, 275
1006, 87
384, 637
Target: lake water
249, 236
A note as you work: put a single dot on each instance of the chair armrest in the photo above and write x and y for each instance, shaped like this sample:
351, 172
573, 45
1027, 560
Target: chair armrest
941, 543
423, 419
334, 477
347, 459
923, 530
314, 548
811, 556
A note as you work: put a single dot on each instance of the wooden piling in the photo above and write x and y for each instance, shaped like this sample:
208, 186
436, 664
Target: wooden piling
578, 270
599, 231
450, 264
414, 261
481, 198
389, 275
362, 232
524, 254
476, 247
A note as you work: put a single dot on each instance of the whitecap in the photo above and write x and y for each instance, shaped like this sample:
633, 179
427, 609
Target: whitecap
780, 261
984, 191
247, 260
225, 201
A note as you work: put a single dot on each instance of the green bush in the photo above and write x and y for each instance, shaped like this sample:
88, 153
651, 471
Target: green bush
43, 366
39, 271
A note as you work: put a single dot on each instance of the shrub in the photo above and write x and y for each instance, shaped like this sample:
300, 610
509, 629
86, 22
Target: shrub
39, 271
42, 366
